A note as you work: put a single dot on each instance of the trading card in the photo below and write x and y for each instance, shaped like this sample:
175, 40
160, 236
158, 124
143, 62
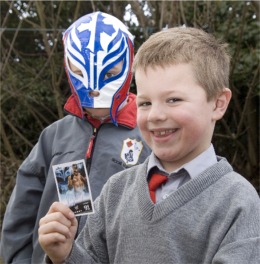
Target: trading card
73, 186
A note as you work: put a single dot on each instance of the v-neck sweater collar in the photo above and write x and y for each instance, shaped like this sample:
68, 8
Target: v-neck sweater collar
154, 212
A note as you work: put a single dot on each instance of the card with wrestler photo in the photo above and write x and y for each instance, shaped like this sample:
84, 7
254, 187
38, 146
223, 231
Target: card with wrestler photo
73, 186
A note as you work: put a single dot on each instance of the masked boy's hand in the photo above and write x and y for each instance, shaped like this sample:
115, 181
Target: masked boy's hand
57, 230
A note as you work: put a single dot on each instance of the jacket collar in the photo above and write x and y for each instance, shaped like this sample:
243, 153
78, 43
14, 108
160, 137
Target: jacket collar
125, 117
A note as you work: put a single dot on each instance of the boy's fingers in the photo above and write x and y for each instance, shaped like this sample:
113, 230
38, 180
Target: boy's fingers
52, 238
62, 208
57, 217
55, 228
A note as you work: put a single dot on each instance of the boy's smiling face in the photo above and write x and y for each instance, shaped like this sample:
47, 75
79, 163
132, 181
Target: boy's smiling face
174, 116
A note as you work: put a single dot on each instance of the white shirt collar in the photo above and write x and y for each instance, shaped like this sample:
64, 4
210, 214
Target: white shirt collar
193, 167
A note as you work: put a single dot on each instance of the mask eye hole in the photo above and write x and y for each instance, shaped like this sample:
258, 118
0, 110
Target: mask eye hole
114, 71
94, 94
109, 75
75, 69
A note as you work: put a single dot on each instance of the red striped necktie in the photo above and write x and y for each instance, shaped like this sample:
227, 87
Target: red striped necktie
155, 182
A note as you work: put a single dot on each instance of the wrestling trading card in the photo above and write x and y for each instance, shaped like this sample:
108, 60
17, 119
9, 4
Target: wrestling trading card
73, 186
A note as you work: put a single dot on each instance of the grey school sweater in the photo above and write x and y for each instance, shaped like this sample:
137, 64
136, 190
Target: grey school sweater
214, 218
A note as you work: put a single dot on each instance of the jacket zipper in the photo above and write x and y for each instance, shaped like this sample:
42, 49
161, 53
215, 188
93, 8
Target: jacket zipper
90, 149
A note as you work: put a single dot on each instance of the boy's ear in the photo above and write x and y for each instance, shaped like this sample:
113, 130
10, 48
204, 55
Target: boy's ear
221, 104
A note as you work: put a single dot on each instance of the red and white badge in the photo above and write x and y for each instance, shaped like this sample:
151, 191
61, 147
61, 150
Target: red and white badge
131, 151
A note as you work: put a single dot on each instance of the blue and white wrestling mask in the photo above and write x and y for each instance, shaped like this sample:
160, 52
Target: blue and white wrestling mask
95, 44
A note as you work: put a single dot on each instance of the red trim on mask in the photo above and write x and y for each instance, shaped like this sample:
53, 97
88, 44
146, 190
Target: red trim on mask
122, 93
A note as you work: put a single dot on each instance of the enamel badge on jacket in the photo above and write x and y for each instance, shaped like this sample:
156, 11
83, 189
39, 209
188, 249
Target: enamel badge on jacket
131, 151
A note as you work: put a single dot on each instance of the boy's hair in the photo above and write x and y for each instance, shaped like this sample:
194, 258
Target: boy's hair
207, 55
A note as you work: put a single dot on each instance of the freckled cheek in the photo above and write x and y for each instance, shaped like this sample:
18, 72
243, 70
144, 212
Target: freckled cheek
193, 126
184, 118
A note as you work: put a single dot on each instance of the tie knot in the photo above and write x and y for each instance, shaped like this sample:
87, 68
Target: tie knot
156, 181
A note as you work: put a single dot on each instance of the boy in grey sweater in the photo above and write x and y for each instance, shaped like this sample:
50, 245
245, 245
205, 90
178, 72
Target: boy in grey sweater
204, 212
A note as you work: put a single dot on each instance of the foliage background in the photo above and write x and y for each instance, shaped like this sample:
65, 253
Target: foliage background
34, 86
